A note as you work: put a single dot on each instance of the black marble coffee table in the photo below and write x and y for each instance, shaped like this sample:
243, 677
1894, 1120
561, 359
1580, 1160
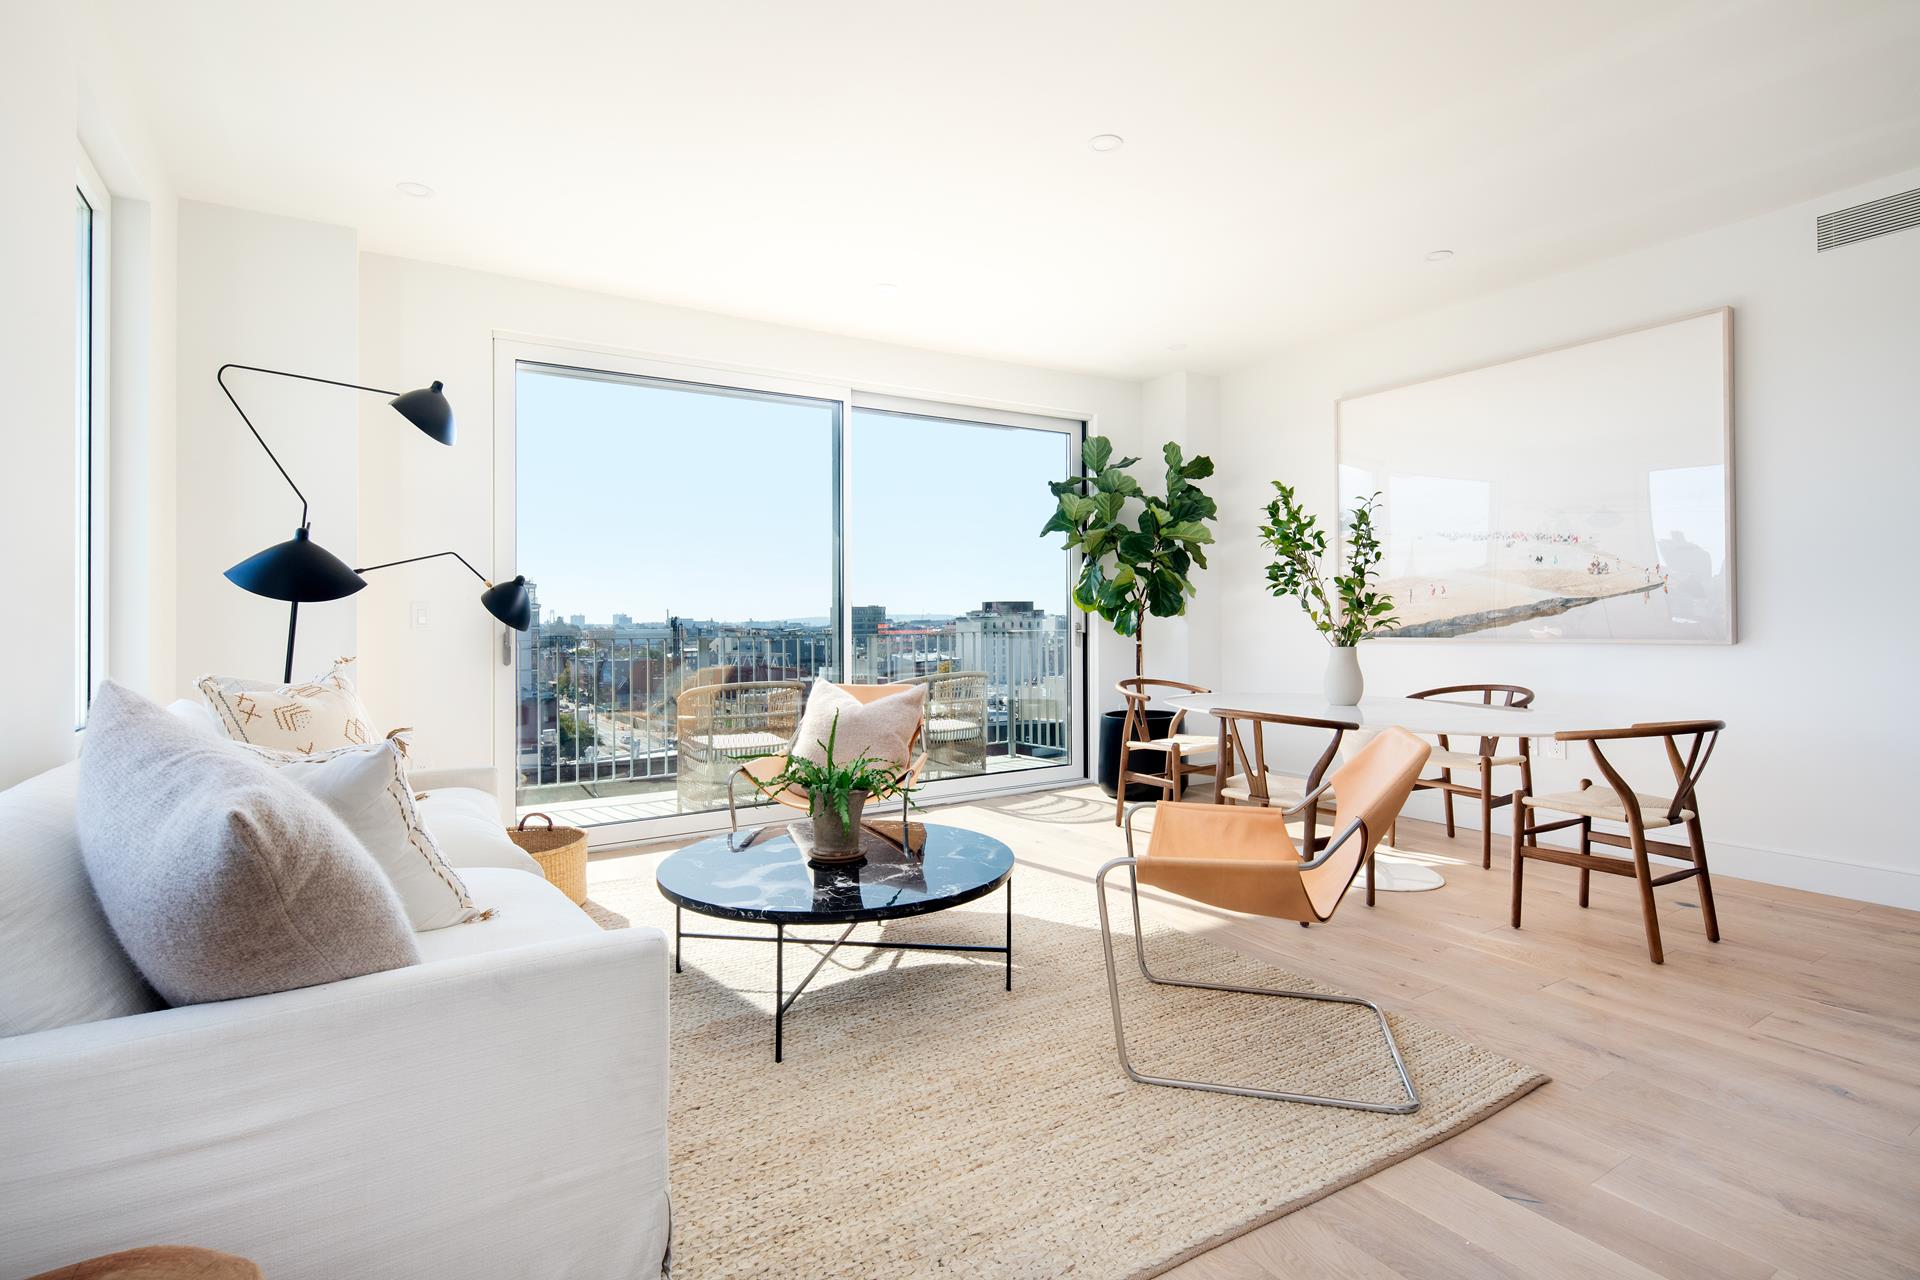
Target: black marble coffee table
763, 877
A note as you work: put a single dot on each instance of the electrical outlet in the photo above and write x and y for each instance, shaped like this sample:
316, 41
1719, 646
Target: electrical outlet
418, 614
1549, 749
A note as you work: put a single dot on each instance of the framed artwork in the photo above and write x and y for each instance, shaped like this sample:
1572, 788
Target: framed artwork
1580, 494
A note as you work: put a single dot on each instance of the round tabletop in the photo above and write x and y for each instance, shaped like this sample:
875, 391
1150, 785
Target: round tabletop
771, 879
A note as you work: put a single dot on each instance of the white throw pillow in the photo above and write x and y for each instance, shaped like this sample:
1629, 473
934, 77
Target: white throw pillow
367, 789
196, 714
320, 715
59, 960
882, 729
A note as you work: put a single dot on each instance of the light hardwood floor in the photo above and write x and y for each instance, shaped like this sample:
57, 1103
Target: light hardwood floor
1748, 1111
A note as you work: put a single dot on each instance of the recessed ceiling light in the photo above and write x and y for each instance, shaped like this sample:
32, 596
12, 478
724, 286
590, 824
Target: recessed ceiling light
1106, 142
1439, 255
886, 288
418, 190
1176, 346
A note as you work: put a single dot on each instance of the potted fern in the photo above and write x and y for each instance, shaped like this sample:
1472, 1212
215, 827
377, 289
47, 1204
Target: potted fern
1356, 609
837, 791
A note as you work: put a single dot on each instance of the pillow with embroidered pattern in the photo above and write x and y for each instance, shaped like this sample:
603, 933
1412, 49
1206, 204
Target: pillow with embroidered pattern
323, 714
367, 789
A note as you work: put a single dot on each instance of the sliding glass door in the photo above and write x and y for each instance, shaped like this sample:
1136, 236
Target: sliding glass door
702, 546
951, 585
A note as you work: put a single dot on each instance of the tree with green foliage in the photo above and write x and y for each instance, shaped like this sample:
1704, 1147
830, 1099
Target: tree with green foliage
576, 734
1299, 547
1137, 551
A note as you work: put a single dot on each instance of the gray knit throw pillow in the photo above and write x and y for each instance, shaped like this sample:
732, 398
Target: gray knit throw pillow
220, 878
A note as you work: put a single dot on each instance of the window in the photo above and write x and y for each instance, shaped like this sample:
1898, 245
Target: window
702, 546
953, 585
678, 540
90, 241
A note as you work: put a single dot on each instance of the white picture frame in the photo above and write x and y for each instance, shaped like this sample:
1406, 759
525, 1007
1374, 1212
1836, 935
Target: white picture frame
1581, 494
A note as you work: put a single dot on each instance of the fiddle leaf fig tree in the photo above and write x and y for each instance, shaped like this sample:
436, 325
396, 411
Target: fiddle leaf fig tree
1137, 550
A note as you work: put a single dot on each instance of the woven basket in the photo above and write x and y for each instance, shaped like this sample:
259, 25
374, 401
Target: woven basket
560, 851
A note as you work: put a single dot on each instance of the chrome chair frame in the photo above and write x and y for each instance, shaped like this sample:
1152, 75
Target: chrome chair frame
1356, 827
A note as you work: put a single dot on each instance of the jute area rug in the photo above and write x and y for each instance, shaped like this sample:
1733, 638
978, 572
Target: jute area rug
927, 1122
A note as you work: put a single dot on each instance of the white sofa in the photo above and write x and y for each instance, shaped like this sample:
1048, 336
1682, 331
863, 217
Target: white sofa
498, 1111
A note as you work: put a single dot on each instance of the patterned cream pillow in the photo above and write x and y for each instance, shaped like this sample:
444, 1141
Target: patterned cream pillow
321, 715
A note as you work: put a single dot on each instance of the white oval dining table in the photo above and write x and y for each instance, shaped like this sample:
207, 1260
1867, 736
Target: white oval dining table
1427, 716
1415, 715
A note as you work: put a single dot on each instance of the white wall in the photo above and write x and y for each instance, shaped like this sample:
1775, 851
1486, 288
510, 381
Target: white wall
420, 322
57, 98
38, 142
1819, 694
142, 482
1184, 407
284, 294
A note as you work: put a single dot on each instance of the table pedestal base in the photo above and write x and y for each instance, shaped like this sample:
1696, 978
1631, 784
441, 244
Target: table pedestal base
1399, 875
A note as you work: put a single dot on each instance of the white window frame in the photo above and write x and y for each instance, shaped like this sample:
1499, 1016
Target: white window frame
93, 454
511, 350
1076, 429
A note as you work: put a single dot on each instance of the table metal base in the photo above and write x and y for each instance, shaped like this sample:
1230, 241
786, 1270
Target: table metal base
783, 1000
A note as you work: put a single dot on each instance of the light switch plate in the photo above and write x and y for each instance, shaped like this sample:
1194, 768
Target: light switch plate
417, 612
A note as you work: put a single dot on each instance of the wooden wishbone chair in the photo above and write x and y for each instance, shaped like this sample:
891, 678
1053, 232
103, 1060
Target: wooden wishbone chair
1242, 776
1637, 811
1176, 749
766, 767
1483, 760
1243, 859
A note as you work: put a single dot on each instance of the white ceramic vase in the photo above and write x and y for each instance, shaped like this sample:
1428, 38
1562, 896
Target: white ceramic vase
1344, 684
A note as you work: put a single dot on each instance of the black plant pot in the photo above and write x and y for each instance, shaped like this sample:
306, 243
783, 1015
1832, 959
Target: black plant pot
1112, 725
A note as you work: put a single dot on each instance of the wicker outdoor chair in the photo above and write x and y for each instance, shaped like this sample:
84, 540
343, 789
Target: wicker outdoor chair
956, 729
722, 726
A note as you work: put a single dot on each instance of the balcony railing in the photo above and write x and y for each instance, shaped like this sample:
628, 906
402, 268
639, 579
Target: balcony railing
601, 712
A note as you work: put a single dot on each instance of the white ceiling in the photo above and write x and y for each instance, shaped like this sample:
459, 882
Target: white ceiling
1287, 165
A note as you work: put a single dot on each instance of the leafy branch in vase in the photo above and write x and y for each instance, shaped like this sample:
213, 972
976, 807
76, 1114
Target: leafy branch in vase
1356, 609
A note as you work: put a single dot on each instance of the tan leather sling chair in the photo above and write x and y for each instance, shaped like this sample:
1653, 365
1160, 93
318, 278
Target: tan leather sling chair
1244, 859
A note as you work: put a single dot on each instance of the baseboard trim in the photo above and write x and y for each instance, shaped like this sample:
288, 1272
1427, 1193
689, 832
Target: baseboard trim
1861, 881
1873, 882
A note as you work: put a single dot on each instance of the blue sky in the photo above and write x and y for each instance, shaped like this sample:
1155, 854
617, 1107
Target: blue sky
645, 500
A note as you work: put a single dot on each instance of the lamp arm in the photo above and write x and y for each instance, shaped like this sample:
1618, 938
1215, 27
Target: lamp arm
221, 378
431, 556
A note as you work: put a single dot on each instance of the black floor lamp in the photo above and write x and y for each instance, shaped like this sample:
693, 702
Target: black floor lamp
507, 602
301, 571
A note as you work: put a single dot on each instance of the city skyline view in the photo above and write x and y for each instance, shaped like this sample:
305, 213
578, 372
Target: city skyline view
547, 614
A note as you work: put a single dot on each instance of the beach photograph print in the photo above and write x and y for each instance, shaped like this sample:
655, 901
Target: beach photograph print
1582, 494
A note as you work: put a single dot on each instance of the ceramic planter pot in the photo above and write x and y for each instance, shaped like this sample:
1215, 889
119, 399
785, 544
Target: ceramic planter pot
1112, 726
834, 840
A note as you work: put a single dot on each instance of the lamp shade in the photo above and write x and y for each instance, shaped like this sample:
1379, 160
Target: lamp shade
509, 603
428, 410
299, 569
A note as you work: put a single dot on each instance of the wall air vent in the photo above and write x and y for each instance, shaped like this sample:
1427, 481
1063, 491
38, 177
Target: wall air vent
1865, 221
